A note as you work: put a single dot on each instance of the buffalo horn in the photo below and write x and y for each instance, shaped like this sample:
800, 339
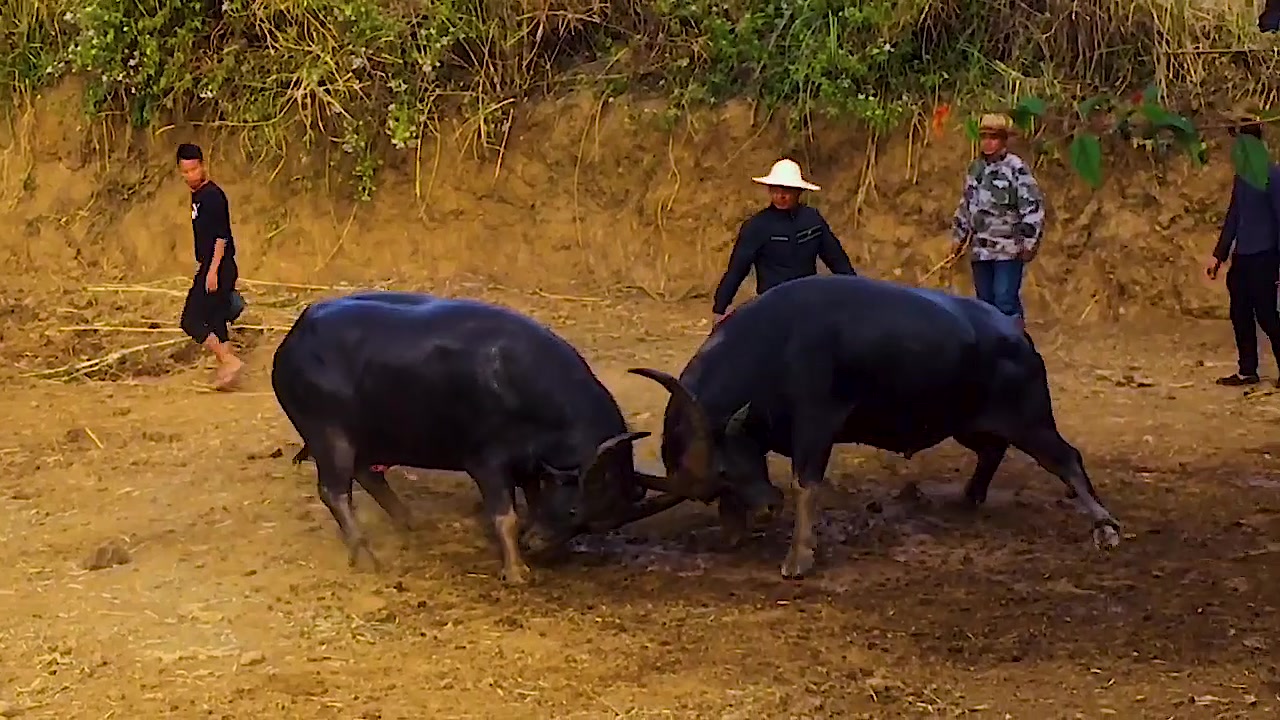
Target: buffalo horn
592, 478
736, 421
695, 464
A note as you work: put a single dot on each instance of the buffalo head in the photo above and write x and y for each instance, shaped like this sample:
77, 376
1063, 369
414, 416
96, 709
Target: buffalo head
603, 494
706, 462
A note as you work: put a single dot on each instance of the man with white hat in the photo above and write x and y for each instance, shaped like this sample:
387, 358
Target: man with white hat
782, 242
1000, 218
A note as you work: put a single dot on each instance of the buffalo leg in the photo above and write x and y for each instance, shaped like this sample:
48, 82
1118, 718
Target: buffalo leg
734, 524
532, 491
814, 434
990, 450
501, 508
335, 465
375, 483
751, 502
1057, 456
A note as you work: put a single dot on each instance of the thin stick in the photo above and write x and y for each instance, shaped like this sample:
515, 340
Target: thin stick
134, 288
502, 149
82, 367
89, 431
341, 239
130, 328
948, 261
294, 286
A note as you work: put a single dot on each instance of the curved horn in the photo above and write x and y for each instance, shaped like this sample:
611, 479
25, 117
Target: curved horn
595, 476
695, 463
736, 421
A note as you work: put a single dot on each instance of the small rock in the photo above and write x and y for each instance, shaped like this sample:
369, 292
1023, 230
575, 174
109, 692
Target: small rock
107, 555
251, 658
9, 710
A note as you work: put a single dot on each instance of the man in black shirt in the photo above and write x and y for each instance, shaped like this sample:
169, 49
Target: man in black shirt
782, 242
210, 306
1250, 239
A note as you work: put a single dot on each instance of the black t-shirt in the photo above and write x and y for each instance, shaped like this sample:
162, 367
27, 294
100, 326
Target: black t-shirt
781, 245
211, 221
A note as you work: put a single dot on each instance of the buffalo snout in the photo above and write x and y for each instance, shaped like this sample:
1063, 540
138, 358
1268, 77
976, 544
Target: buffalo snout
761, 498
542, 541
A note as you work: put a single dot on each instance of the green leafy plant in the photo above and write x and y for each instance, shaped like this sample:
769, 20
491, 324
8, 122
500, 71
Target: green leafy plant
1141, 121
290, 73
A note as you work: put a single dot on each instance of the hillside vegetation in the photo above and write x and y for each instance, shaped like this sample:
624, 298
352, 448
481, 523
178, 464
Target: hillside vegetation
376, 76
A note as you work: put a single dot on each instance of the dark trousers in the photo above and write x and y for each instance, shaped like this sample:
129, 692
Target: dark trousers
1251, 286
999, 283
208, 313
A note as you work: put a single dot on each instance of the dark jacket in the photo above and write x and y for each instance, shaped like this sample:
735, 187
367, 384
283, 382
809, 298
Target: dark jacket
781, 245
1252, 224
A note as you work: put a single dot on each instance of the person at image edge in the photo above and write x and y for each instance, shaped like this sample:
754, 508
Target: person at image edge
782, 242
1250, 240
210, 304
1000, 218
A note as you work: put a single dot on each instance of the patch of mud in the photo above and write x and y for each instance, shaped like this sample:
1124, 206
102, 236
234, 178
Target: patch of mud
906, 524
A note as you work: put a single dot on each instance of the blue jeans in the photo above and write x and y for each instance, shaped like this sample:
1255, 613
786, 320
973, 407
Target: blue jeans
999, 283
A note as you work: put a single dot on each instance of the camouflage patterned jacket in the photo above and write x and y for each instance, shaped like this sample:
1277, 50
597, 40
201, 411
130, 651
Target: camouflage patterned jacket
1001, 210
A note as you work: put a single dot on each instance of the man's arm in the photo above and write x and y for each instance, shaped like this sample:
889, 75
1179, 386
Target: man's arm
962, 222
740, 260
217, 217
1230, 224
832, 251
1030, 228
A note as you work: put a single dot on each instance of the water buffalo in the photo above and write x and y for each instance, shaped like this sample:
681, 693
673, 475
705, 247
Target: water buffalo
374, 380
827, 360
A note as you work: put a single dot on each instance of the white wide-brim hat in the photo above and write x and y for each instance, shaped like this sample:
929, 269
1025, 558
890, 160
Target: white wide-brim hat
786, 173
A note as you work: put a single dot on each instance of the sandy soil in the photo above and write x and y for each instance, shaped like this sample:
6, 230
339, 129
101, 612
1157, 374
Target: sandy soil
226, 594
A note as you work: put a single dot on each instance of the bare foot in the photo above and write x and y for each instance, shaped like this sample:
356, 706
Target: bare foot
228, 374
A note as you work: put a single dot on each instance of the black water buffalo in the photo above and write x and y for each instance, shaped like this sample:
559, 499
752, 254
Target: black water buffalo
374, 380
826, 360
388, 296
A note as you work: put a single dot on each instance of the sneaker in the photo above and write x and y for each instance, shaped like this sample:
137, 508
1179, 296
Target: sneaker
1236, 380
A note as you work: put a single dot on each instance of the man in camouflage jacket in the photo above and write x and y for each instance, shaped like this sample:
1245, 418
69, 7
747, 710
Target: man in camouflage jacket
1000, 218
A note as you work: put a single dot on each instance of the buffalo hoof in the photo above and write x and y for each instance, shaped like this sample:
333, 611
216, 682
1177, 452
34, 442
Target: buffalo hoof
361, 546
517, 574
799, 563
1106, 537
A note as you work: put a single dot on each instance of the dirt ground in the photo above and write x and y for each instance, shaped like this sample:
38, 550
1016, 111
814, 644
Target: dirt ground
226, 593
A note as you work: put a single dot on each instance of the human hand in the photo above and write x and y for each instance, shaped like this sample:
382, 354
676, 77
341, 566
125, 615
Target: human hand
1212, 267
211, 282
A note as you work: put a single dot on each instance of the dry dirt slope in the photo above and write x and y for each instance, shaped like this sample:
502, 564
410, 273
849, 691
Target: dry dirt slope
584, 192
234, 601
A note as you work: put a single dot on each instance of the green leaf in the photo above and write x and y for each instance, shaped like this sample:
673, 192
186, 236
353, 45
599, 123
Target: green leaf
1033, 106
1180, 125
971, 129
1097, 102
1199, 153
1251, 160
1026, 111
1022, 119
1086, 158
